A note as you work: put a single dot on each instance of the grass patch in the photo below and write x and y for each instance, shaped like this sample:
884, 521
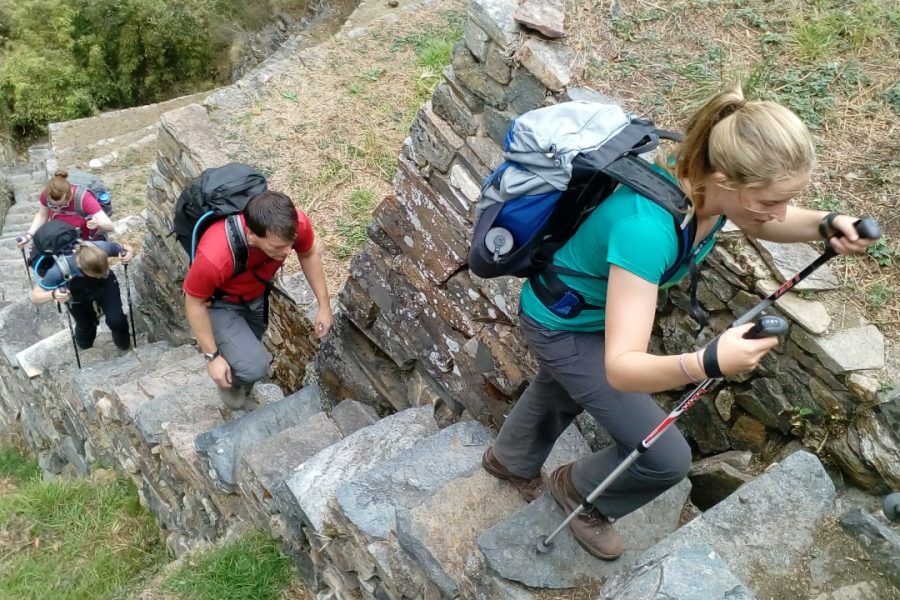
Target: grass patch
352, 227
70, 539
829, 202
883, 254
433, 48
252, 567
878, 294
18, 467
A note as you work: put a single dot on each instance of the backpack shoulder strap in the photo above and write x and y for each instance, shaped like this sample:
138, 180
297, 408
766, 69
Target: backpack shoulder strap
62, 263
237, 243
79, 200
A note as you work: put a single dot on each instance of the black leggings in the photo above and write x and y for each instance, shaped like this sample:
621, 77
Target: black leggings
105, 292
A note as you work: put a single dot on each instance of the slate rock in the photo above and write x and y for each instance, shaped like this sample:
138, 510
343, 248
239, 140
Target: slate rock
314, 483
552, 64
854, 349
786, 260
224, 446
764, 528
545, 16
715, 478
496, 18
371, 500
509, 546
692, 572
350, 415
880, 542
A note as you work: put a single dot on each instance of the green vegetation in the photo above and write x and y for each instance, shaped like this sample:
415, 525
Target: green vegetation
433, 48
882, 252
352, 226
65, 59
878, 294
252, 567
71, 539
16, 467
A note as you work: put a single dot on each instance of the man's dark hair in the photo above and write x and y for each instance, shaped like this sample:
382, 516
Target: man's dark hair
272, 213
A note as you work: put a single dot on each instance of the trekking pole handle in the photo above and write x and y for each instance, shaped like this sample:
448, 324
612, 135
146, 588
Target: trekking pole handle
767, 326
868, 228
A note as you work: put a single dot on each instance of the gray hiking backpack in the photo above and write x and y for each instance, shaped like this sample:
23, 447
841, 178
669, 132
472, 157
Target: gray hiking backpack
562, 161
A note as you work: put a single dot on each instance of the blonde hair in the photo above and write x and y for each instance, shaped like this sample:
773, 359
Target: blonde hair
91, 260
58, 188
753, 144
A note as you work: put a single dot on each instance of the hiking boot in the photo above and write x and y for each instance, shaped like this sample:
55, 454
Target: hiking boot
592, 529
529, 489
234, 397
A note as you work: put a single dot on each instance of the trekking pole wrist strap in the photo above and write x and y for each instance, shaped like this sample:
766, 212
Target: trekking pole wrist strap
826, 225
711, 360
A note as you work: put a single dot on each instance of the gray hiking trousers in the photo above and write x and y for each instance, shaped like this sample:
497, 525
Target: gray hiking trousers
238, 329
571, 379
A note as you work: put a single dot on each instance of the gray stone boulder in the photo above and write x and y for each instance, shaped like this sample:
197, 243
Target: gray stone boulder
765, 527
224, 446
880, 541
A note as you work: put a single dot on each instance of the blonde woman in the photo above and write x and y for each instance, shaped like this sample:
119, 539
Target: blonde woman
82, 279
744, 161
63, 201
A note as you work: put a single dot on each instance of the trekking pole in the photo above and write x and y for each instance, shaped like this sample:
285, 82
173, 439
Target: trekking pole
72, 333
766, 326
25, 260
130, 309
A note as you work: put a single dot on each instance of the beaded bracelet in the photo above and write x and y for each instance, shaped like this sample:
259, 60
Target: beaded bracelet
684, 369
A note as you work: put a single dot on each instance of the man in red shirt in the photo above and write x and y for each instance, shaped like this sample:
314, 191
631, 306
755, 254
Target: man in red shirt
227, 312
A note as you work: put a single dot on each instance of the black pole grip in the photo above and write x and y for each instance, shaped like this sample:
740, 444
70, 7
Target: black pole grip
767, 326
868, 228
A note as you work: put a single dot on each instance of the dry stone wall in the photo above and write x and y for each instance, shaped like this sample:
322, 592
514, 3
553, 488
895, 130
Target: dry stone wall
188, 145
453, 337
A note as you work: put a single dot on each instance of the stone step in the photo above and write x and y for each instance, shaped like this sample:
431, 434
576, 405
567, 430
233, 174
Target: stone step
422, 511
24, 324
760, 532
223, 447
305, 497
137, 146
10, 252
431, 501
58, 350
266, 465
18, 219
509, 547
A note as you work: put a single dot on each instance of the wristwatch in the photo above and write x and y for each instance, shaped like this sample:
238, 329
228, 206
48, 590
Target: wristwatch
211, 356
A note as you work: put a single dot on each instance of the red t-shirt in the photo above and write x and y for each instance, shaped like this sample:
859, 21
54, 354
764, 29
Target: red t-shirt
89, 205
213, 264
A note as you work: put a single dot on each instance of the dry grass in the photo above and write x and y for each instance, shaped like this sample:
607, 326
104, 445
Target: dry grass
836, 64
330, 128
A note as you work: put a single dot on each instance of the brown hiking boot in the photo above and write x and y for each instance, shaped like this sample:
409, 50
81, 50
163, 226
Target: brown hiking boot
234, 397
529, 489
592, 529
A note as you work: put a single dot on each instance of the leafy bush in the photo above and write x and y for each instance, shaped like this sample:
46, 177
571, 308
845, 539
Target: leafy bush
67, 58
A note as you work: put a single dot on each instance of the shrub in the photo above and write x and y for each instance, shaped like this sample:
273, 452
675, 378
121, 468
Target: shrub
68, 58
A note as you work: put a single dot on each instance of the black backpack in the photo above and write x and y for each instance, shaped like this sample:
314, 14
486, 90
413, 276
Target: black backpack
54, 239
217, 193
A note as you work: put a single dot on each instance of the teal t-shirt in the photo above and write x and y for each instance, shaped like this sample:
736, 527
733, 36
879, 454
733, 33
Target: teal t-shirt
627, 230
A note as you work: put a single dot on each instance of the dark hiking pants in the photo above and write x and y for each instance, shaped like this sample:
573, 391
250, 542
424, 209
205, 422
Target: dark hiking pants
105, 292
571, 379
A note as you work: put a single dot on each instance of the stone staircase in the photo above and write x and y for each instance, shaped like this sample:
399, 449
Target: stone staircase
27, 182
395, 507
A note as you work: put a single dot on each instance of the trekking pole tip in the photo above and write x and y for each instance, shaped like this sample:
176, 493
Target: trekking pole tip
892, 506
542, 546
